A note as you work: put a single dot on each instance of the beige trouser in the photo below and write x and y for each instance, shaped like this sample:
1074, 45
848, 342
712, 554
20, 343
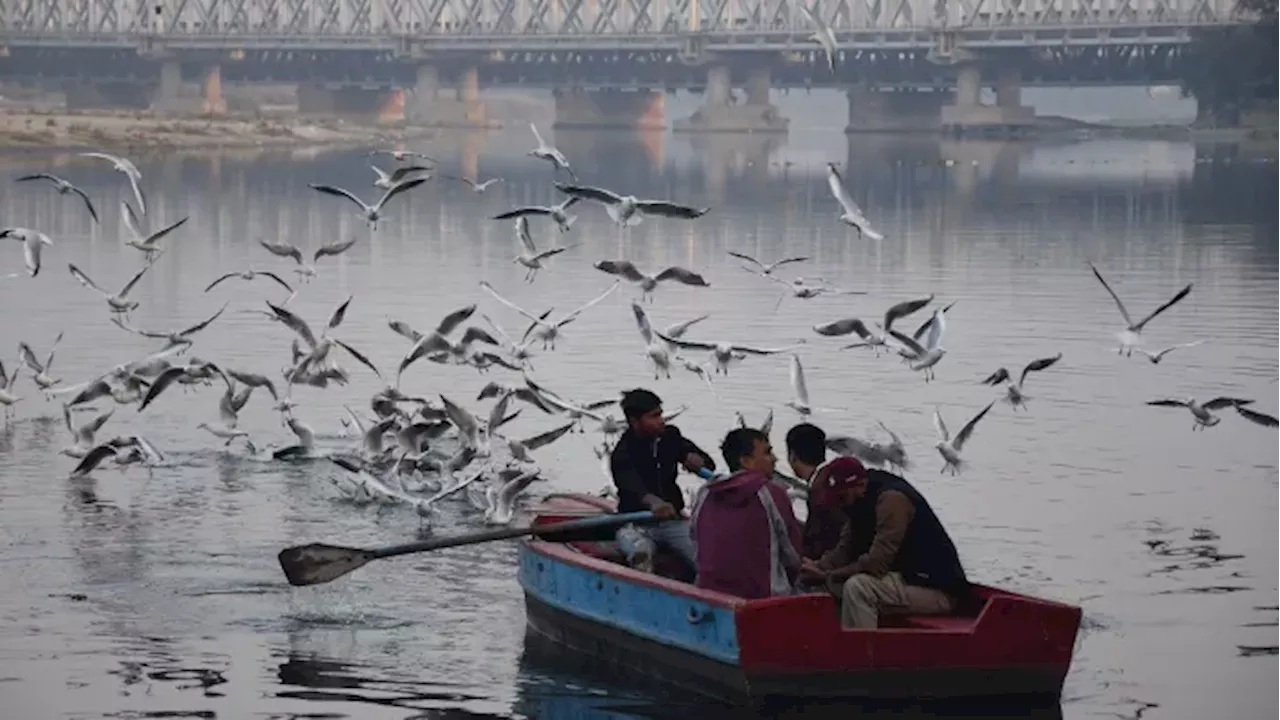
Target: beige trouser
866, 597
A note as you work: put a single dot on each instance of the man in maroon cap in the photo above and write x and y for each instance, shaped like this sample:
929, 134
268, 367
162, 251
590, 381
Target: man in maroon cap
807, 452
893, 555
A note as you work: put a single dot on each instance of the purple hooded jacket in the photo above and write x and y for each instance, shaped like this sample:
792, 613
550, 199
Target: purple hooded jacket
746, 537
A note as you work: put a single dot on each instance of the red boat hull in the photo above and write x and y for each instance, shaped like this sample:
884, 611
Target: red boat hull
794, 646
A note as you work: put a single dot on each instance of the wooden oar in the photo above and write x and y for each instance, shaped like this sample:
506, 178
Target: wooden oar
319, 563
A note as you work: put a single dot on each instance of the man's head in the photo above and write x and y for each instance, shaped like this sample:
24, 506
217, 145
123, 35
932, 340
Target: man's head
843, 484
806, 448
643, 411
748, 449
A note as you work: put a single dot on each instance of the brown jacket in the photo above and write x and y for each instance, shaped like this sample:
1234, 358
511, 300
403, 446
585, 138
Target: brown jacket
894, 512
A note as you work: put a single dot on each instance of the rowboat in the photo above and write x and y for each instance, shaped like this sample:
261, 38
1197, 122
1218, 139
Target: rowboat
582, 596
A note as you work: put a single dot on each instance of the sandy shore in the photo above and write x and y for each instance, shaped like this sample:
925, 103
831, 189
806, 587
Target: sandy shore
134, 130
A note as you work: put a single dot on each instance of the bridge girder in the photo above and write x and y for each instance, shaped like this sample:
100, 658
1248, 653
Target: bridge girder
489, 25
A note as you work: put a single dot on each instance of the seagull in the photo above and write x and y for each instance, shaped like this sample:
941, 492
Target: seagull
284, 249
334, 248
854, 325
194, 371
723, 352
502, 501
7, 398
402, 155
520, 449
530, 257
111, 449
84, 434
823, 35
42, 378
386, 180
1257, 417
250, 275
852, 214
519, 351
555, 212
436, 344
227, 435
1156, 357
763, 268
932, 352
33, 242
62, 187
800, 289
141, 241
124, 165
306, 440
801, 401
654, 349
478, 187
1132, 334
547, 331
550, 154
177, 337
371, 212
1201, 413
949, 448
319, 347
648, 283
119, 302
906, 353
1014, 390
627, 210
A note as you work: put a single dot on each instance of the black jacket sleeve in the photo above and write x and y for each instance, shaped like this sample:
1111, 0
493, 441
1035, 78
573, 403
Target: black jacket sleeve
687, 446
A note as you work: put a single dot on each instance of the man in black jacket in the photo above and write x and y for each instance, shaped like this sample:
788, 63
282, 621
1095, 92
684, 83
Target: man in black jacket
643, 464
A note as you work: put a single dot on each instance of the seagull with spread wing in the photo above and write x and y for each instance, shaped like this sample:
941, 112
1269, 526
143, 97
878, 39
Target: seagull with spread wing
872, 340
1205, 418
648, 283
62, 187
33, 243
949, 448
1013, 393
558, 213
118, 302
628, 210
766, 269
177, 337
1132, 334
723, 353
823, 35
477, 187
851, 214
126, 166
530, 257
387, 180
550, 154
371, 212
141, 241
544, 329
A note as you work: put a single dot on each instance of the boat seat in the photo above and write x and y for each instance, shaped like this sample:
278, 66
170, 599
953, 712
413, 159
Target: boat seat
939, 622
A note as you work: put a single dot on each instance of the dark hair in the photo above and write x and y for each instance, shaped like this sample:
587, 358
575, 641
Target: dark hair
740, 443
637, 402
808, 443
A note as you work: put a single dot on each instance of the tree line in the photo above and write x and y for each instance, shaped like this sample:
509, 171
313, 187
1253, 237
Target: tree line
1232, 70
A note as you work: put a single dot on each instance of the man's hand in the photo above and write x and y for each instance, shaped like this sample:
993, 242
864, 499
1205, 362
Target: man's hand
663, 510
811, 573
693, 462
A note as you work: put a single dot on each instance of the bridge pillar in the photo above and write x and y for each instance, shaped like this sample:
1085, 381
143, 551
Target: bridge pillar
894, 110
211, 90
720, 114
610, 109
968, 116
168, 91
428, 107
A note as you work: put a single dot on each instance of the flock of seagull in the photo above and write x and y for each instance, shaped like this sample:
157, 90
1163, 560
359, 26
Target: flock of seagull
401, 457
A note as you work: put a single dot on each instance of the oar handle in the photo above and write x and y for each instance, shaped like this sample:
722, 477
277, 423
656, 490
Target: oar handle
590, 523
706, 474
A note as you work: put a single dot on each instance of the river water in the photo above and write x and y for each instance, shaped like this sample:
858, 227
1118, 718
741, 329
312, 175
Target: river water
133, 594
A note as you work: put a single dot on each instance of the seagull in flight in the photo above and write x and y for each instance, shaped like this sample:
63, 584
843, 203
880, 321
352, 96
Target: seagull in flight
1013, 393
387, 180
648, 283
1156, 357
250, 274
33, 242
931, 353
872, 340
555, 212
142, 241
62, 187
546, 152
530, 256
371, 212
118, 302
126, 166
478, 187
723, 353
852, 214
177, 337
762, 268
546, 330
799, 403
950, 448
823, 35
402, 155
1205, 418
1132, 334
628, 210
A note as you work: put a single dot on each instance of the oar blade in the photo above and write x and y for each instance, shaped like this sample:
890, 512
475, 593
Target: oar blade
318, 563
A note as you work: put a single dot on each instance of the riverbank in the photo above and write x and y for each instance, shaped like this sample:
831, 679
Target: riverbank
144, 130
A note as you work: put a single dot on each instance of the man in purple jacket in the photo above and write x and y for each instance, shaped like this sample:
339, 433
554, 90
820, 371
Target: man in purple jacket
746, 538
